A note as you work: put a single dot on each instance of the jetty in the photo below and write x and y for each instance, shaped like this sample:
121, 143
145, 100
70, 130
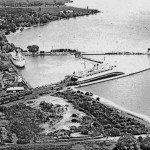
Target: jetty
89, 59
115, 53
76, 53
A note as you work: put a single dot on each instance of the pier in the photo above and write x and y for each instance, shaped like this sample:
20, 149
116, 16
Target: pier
89, 59
26, 83
115, 53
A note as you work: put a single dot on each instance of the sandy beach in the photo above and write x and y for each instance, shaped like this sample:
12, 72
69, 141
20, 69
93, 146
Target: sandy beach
119, 108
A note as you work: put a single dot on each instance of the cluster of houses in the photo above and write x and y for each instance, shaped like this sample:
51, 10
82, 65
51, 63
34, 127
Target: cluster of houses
13, 86
12, 82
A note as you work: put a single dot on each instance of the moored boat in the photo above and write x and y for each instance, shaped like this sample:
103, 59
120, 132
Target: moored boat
105, 71
17, 59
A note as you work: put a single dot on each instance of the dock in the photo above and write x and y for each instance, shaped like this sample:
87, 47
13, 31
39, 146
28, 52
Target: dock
14, 67
89, 59
115, 53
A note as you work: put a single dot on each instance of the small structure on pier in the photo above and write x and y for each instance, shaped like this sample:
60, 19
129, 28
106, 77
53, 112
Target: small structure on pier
78, 54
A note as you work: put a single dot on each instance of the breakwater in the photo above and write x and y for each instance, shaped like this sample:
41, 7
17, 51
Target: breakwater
115, 53
89, 59
112, 78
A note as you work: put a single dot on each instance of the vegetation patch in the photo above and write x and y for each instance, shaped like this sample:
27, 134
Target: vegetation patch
113, 122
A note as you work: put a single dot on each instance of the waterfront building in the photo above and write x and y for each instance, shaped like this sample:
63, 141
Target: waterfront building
14, 89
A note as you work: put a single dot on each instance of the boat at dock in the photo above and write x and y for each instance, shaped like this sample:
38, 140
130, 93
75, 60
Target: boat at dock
99, 72
17, 59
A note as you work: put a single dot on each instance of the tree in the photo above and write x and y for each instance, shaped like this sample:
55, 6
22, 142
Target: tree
140, 139
77, 147
1, 137
84, 132
114, 132
127, 141
33, 48
9, 138
145, 143
12, 27
2, 43
3, 109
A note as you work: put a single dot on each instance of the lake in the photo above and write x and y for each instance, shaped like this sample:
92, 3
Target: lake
123, 26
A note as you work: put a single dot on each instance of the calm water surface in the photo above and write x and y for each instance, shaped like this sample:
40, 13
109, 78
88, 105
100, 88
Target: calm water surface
130, 92
44, 70
124, 26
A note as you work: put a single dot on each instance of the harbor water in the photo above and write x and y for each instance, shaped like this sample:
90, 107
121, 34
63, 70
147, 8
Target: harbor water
123, 26
44, 70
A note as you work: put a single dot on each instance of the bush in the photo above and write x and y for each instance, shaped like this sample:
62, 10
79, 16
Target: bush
91, 94
114, 132
33, 48
74, 115
140, 139
22, 141
87, 93
75, 120
127, 141
85, 132
145, 143
97, 98
3, 109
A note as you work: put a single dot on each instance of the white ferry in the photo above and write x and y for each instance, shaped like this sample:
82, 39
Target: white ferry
102, 72
17, 59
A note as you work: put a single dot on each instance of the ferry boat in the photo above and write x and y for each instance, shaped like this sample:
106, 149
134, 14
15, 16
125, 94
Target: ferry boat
102, 72
17, 59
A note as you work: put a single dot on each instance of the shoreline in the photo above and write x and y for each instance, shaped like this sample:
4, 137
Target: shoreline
113, 78
126, 112
118, 107
103, 100
78, 12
